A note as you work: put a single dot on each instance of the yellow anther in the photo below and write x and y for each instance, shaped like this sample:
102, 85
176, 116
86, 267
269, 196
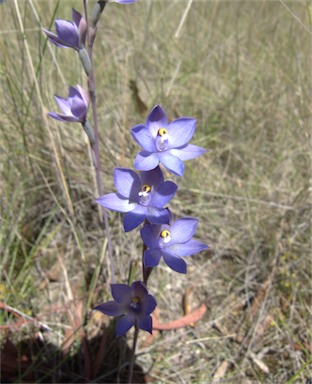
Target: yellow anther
135, 300
165, 233
162, 132
146, 188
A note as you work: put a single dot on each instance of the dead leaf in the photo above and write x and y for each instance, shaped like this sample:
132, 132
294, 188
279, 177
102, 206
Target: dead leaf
192, 317
259, 362
221, 370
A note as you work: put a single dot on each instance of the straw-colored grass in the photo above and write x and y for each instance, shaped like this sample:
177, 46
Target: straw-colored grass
243, 70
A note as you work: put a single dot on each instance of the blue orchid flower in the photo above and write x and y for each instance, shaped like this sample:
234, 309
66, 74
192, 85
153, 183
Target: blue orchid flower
172, 242
133, 303
165, 143
69, 34
140, 197
74, 108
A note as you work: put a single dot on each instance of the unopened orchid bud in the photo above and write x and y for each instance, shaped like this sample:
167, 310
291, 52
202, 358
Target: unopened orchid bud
85, 60
97, 11
89, 131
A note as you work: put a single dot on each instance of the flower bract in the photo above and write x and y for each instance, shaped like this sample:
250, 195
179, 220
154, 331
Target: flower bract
74, 108
69, 34
134, 304
164, 142
171, 242
140, 197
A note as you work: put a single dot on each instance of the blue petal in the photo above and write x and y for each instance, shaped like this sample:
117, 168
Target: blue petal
164, 194
134, 218
124, 324
172, 163
62, 117
146, 161
188, 152
65, 118
116, 202
53, 38
67, 33
63, 104
143, 137
146, 323
83, 95
183, 230
111, 308
139, 289
174, 262
187, 249
121, 293
150, 234
153, 177
152, 257
156, 119
79, 108
181, 131
127, 182
157, 215
149, 305
73, 92
76, 16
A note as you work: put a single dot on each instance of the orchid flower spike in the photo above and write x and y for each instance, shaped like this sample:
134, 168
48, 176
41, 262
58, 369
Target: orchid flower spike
74, 108
165, 143
69, 34
134, 304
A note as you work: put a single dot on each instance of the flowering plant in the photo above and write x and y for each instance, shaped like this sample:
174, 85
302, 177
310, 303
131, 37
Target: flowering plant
142, 197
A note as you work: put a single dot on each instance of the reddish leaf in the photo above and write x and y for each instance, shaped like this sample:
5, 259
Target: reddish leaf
183, 321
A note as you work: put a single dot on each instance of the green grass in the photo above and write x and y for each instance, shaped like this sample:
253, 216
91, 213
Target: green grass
243, 70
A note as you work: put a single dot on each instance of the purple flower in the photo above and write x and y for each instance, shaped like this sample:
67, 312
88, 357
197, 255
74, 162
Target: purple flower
171, 242
134, 303
75, 108
140, 197
69, 35
164, 142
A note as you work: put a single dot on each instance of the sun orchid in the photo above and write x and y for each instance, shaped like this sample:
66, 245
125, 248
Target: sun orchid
69, 34
165, 143
172, 242
74, 108
140, 197
133, 303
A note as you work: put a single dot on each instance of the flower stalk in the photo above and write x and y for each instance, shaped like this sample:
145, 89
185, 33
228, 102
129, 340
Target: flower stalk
96, 147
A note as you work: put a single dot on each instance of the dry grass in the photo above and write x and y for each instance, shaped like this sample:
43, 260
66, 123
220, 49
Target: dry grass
243, 70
